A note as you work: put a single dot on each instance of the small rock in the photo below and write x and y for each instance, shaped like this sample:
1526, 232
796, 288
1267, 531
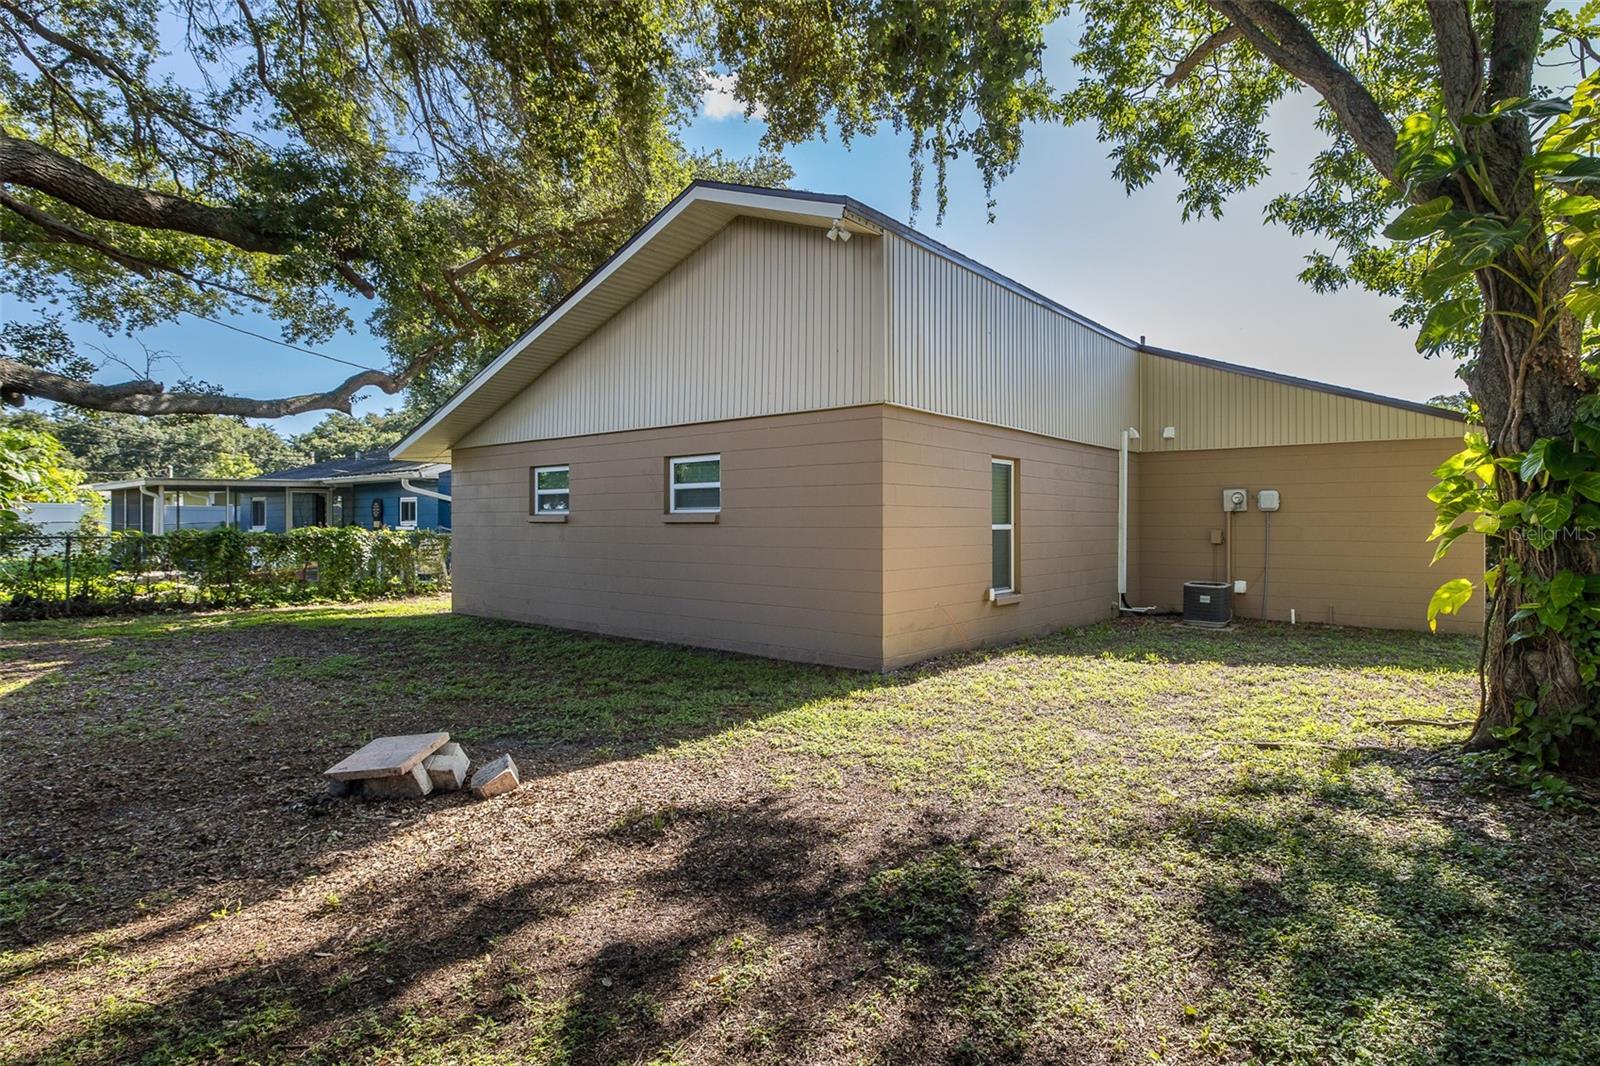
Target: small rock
408, 785
447, 767
496, 777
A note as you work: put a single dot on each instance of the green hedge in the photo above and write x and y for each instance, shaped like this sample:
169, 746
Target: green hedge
90, 573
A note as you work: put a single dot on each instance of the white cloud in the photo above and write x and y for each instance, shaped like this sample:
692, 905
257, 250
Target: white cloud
718, 101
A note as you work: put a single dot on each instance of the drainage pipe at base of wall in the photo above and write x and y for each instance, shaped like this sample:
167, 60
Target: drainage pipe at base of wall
1122, 526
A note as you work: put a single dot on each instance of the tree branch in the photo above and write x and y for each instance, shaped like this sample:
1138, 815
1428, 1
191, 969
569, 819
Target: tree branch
1225, 36
37, 167
1276, 32
151, 398
64, 233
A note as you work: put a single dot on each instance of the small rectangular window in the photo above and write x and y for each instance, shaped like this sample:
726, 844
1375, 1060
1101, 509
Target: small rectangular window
258, 513
696, 484
408, 512
1002, 524
552, 490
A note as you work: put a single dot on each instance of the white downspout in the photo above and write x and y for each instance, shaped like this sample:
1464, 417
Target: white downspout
1128, 434
406, 484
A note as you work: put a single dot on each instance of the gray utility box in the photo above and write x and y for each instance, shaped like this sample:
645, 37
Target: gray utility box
1207, 603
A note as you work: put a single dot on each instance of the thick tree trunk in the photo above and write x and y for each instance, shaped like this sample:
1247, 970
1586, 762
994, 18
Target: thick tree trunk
1528, 387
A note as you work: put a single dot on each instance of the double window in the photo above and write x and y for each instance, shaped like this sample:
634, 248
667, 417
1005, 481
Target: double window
408, 512
552, 490
695, 484
1002, 524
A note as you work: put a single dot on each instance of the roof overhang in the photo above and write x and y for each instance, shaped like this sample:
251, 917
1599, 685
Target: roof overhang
681, 227
204, 483
421, 470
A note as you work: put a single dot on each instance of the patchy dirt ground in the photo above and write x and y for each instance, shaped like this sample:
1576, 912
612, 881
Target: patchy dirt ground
1055, 852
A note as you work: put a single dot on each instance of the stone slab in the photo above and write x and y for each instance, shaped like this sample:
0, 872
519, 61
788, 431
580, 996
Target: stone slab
387, 757
410, 785
447, 767
496, 777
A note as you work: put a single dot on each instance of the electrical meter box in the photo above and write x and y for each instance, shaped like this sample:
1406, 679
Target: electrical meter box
1267, 499
1235, 500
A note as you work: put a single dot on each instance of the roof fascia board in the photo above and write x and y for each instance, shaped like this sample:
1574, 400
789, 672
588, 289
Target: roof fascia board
820, 207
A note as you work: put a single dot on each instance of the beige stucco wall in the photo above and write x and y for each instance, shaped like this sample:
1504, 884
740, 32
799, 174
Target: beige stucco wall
936, 535
792, 569
1348, 546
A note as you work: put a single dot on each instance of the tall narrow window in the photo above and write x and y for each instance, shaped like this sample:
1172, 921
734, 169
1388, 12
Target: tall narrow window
552, 490
258, 513
696, 483
1002, 524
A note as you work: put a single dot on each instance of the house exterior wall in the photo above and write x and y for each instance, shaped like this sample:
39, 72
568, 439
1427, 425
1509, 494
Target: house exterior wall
1211, 407
964, 345
765, 318
792, 568
937, 545
1348, 544
431, 513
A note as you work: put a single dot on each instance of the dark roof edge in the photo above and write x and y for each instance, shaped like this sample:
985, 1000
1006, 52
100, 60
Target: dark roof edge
1304, 383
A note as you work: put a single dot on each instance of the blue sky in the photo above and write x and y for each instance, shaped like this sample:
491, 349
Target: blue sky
1225, 289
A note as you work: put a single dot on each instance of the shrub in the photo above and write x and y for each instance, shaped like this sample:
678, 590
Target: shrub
52, 574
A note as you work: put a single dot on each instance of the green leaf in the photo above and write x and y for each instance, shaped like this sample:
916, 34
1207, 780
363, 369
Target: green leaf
1418, 220
1550, 162
1575, 205
1448, 598
1487, 524
1585, 168
1533, 460
1587, 485
1564, 464
1446, 321
1565, 587
1549, 509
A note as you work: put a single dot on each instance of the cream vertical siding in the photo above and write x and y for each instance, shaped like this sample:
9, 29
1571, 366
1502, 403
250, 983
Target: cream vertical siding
964, 345
766, 318
1215, 408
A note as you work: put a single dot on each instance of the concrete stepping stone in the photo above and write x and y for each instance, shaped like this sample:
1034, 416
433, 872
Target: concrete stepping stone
496, 777
387, 757
447, 767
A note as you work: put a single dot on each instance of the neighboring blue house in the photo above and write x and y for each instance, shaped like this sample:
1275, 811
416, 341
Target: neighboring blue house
371, 491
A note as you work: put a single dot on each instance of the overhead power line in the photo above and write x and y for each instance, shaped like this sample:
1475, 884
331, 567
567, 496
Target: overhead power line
284, 344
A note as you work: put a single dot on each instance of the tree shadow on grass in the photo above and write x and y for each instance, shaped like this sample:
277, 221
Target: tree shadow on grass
1338, 936
745, 932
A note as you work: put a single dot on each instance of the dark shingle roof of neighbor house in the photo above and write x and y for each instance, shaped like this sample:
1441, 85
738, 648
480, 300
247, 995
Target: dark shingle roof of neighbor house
354, 466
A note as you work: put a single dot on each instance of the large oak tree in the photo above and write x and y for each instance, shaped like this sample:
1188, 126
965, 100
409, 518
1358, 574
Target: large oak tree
447, 169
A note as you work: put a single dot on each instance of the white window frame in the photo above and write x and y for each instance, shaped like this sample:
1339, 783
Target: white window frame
262, 500
400, 515
538, 492
673, 486
1009, 527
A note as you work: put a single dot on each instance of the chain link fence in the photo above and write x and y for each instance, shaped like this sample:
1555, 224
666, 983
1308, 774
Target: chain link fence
45, 575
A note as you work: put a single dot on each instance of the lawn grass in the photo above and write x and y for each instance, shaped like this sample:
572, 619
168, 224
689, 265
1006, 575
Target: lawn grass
1068, 850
